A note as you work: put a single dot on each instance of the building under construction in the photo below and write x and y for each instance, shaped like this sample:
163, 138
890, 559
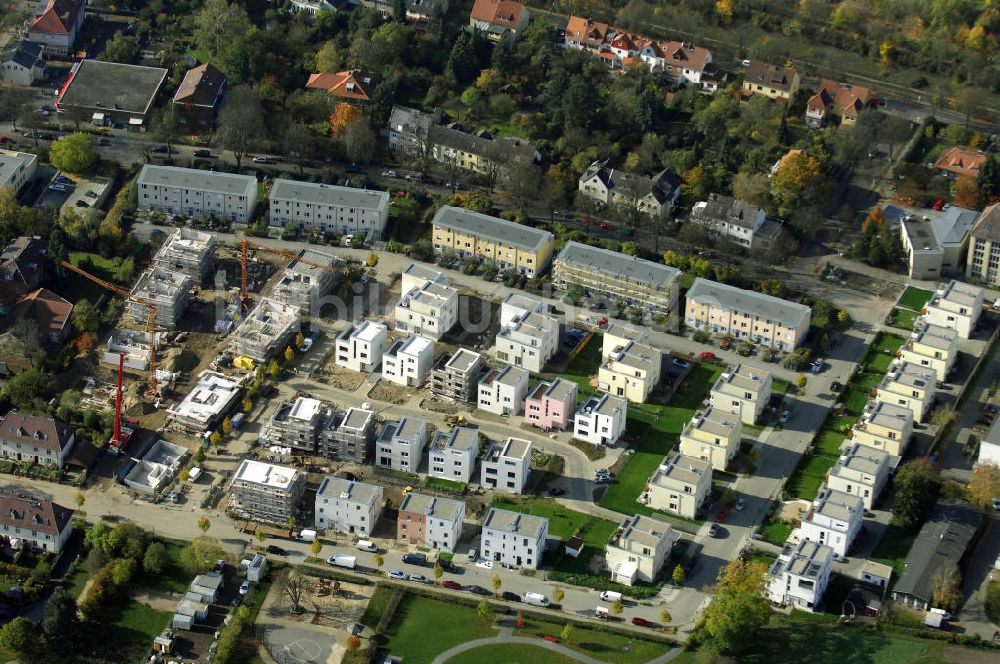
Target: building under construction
189, 251
304, 284
135, 345
164, 288
267, 330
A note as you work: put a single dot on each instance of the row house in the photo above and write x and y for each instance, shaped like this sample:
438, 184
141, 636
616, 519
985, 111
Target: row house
746, 315
639, 549
932, 347
956, 305
834, 519
884, 426
861, 471
511, 245
800, 576
910, 386
193, 192
430, 521
328, 208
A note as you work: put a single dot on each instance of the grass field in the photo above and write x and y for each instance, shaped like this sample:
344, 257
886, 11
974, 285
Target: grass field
75, 290
136, 624
776, 532
446, 485
603, 645
510, 654
914, 299
423, 628
894, 546
563, 522
174, 578
902, 318
585, 365
376, 606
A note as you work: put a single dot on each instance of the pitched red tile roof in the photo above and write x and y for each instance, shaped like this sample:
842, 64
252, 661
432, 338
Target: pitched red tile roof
50, 311
59, 17
350, 84
960, 161
585, 31
685, 55
35, 430
849, 99
24, 511
506, 13
622, 41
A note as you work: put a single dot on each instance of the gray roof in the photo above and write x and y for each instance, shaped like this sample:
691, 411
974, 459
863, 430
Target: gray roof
410, 427
506, 521
459, 438
113, 86
951, 226
987, 226
499, 150
358, 492
618, 265
729, 209
492, 228
220, 183
662, 185
790, 314
328, 194
25, 53
357, 418
807, 559
941, 541
464, 360
313, 256
432, 506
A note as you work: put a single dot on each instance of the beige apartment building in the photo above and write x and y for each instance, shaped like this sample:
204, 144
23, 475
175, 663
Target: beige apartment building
744, 391
714, 436
884, 426
511, 245
631, 371
932, 347
679, 486
746, 315
909, 386
639, 549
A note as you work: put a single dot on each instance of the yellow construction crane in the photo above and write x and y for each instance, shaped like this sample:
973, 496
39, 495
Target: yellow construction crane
128, 297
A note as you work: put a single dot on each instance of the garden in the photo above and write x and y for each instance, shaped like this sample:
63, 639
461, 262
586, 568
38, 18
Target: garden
908, 307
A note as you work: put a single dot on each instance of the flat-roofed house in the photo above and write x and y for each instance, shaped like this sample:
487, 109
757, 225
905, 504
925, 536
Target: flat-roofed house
800, 576
400, 445
505, 466
884, 426
429, 310
743, 390
932, 347
639, 550
861, 471
551, 405
408, 361
348, 436
502, 391
712, 435
679, 486
453, 454
631, 371
910, 386
746, 315
600, 420
360, 347
528, 341
349, 507
957, 305
834, 519
456, 376
430, 521
513, 538
267, 492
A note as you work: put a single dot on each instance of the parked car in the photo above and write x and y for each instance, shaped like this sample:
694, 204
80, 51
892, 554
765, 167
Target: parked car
5, 139
244, 587
707, 355
836, 386
556, 491
482, 563
478, 590
415, 559
785, 416
276, 550
366, 545
642, 622
996, 504
262, 159
453, 585
740, 504
419, 578
511, 597
938, 205
204, 154
398, 575
389, 174
713, 530
681, 364
448, 566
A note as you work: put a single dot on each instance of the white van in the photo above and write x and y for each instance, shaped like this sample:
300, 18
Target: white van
194, 474
536, 599
602, 612
366, 545
611, 596
306, 535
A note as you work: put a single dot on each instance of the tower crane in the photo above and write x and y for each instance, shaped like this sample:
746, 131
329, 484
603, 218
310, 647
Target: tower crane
129, 297
246, 244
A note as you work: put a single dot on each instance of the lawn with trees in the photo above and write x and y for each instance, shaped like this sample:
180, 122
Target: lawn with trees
450, 623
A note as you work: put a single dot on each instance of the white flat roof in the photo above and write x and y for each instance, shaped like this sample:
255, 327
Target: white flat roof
266, 474
305, 408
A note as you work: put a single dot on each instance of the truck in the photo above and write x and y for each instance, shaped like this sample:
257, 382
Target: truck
306, 535
343, 560
194, 474
536, 599
415, 559
611, 596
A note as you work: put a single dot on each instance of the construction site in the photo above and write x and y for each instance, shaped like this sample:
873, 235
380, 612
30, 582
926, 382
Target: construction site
308, 278
187, 251
165, 289
267, 330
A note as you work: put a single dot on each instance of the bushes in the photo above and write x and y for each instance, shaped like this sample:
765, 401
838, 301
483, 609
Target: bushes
602, 583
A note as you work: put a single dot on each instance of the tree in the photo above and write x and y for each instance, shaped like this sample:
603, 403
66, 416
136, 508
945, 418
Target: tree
343, 116
379, 561
13, 102
121, 48
740, 609
943, 415
678, 575
485, 611
752, 187
75, 153
166, 128
219, 25
295, 588
80, 499
559, 594
665, 617
273, 368
241, 120
984, 485
155, 558
18, 635
315, 547
497, 584
519, 184
200, 555
916, 486
215, 438
227, 426
967, 193
247, 405
359, 142
791, 184
353, 642
801, 381
372, 260
59, 620
289, 354
328, 60
946, 587
204, 524
567, 633
724, 10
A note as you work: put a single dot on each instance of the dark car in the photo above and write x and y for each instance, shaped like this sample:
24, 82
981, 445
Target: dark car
478, 590
204, 154
836, 386
454, 585
511, 597
353, 168
448, 566
556, 491
642, 622
276, 550
415, 559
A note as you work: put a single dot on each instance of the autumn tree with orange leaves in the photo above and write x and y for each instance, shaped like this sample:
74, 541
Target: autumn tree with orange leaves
342, 117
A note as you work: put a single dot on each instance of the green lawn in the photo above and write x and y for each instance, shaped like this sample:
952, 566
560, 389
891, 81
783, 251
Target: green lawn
657, 428
75, 288
585, 365
174, 578
423, 628
75, 582
894, 546
563, 522
136, 624
510, 654
377, 605
776, 532
902, 318
606, 646
446, 485
914, 299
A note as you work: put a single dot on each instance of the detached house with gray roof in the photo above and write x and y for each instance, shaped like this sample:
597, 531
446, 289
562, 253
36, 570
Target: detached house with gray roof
21, 63
610, 186
729, 218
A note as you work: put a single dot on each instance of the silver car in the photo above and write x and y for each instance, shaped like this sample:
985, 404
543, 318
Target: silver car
398, 575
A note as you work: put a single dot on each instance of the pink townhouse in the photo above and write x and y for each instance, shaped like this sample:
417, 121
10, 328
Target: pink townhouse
551, 404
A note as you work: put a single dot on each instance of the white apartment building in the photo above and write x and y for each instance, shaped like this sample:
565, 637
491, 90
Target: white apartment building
933, 347
909, 386
742, 390
16, 169
429, 310
600, 420
800, 575
328, 208
712, 435
679, 486
360, 347
957, 305
513, 538
266, 492
408, 361
529, 340
506, 466
503, 391
989, 446
27, 522
193, 192
861, 471
429, 521
517, 305
884, 426
639, 549
453, 454
400, 446
346, 506
417, 274
834, 519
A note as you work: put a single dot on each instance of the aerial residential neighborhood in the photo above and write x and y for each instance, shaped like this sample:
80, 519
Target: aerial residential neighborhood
434, 332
